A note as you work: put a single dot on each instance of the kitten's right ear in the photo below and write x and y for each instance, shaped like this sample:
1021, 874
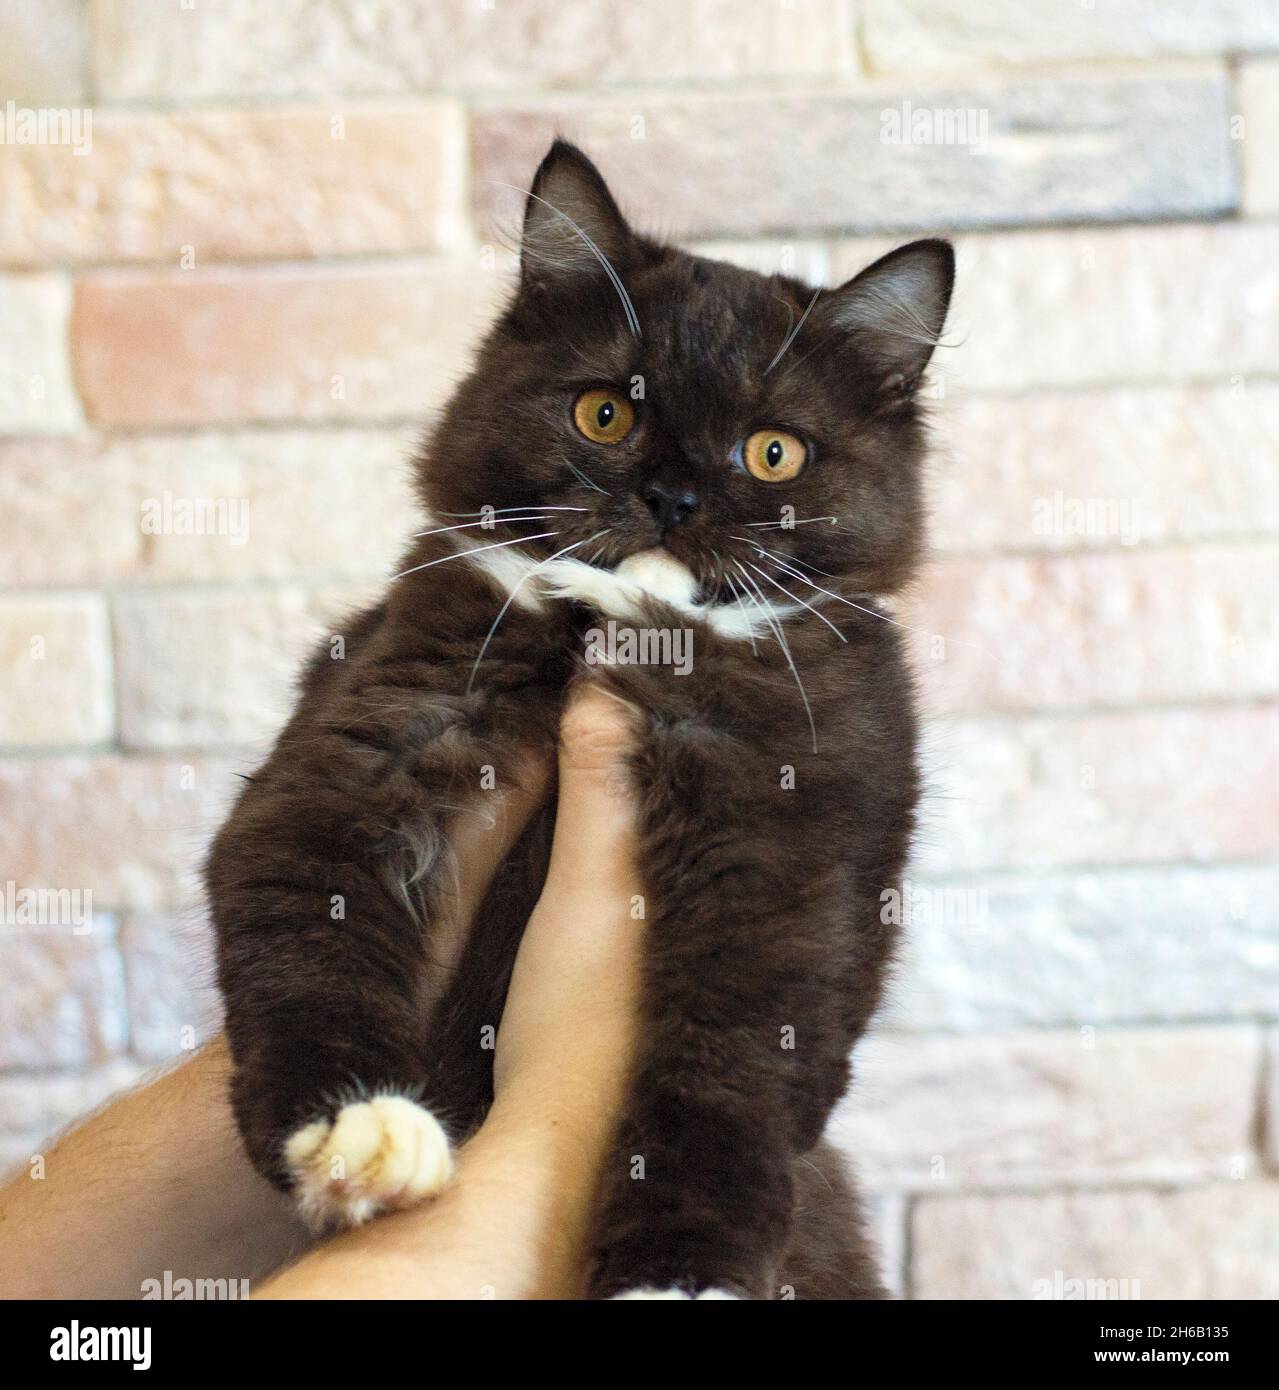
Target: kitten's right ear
572, 226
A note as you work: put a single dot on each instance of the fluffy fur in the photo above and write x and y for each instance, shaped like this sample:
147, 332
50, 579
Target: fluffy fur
776, 779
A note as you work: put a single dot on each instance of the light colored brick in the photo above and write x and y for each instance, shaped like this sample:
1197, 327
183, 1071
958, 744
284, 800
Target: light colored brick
1210, 1242
213, 506
1259, 94
170, 974
239, 346
43, 57
131, 830
1069, 632
808, 259
1184, 462
886, 1219
325, 46
1270, 1117
1117, 946
36, 394
1104, 789
34, 1109
61, 995
1078, 148
55, 670
934, 35
189, 189
1035, 1110
204, 668
1107, 306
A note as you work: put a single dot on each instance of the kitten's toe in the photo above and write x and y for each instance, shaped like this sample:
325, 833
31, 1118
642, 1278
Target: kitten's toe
674, 1293
376, 1155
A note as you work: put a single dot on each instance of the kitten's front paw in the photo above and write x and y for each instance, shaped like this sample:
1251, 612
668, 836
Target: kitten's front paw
376, 1155
673, 1293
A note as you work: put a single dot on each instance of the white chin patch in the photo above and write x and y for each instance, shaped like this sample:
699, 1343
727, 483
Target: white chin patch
659, 573
705, 1295
621, 592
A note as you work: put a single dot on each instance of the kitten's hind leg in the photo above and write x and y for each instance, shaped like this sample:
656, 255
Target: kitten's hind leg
828, 1254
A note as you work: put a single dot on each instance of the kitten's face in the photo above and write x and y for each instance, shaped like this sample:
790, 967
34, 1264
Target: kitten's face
743, 414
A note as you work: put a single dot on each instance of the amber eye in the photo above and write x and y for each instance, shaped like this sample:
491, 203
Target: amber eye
604, 416
773, 455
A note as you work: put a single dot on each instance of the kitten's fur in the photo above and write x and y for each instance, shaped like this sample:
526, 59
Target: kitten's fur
764, 857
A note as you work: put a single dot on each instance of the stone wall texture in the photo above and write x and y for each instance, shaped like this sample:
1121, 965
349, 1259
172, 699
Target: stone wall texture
266, 266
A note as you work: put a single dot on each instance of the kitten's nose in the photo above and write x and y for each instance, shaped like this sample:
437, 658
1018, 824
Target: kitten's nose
670, 503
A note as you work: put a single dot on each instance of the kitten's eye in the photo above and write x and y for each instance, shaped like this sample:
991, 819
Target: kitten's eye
773, 455
604, 416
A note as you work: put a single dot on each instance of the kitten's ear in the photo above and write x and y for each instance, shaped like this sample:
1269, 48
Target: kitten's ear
571, 220
895, 311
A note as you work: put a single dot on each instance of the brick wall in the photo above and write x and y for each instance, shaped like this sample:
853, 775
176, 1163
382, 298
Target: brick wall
267, 269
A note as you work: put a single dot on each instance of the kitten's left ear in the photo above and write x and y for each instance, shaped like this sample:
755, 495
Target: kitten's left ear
571, 221
895, 310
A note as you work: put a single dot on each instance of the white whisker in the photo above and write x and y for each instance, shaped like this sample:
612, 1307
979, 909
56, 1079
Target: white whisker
795, 598
750, 633
883, 618
766, 609
781, 559
582, 478
501, 613
793, 334
497, 511
474, 550
632, 318
470, 525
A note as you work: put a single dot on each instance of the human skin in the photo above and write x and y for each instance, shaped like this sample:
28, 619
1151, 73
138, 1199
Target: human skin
158, 1181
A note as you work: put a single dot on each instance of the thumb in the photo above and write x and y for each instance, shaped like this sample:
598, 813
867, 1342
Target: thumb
597, 733
595, 819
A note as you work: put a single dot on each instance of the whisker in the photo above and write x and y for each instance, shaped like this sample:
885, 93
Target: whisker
582, 478
765, 608
632, 318
786, 525
773, 555
470, 525
883, 618
750, 635
497, 511
795, 598
474, 550
510, 598
793, 334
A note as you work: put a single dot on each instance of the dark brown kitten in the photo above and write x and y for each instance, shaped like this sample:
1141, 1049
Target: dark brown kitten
721, 459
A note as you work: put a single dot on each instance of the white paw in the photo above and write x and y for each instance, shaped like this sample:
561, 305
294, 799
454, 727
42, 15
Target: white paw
674, 1293
377, 1155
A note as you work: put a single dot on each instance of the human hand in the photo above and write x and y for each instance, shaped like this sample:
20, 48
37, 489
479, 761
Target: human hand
567, 1031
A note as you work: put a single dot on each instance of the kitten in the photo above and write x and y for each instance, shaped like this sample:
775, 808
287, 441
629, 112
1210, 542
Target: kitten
673, 445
